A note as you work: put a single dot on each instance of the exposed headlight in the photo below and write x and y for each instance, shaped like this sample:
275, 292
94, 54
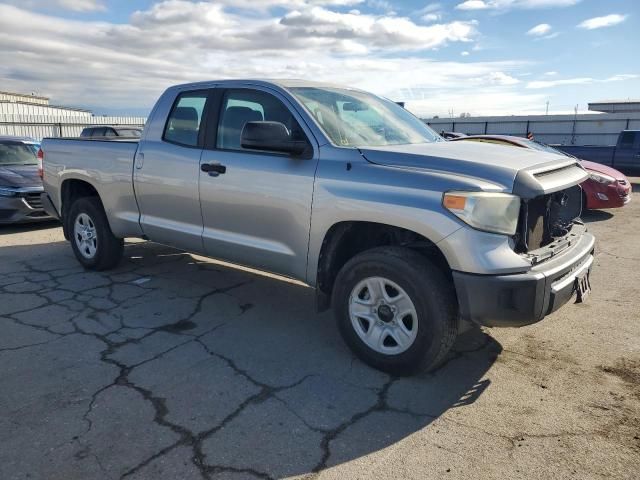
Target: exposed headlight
491, 212
601, 178
7, 192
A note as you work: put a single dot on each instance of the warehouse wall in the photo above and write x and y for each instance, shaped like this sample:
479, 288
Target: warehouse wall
11, 108
584, 129
39, 126
20, 97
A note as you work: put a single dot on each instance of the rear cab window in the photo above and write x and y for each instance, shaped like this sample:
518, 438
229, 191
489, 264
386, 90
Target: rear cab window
185, 119
627, 139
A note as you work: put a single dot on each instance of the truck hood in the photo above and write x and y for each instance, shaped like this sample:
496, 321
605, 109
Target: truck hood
19, 176
497, 164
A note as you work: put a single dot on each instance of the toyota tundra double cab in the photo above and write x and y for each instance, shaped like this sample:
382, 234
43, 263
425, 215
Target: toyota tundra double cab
406, 236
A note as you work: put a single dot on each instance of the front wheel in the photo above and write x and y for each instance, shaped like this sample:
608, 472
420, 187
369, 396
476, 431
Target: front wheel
396, 310
93, 243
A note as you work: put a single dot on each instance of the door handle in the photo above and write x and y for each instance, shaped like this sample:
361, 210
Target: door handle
213, 169
139, 160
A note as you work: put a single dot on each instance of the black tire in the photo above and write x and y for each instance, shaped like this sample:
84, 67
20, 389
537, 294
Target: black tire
109, 248
431, 293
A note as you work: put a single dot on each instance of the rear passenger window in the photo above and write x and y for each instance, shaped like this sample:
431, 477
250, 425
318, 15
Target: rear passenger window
97, 132
245, 105
626, 141
183, 124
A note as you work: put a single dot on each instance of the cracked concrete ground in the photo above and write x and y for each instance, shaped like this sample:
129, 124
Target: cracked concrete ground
176, 367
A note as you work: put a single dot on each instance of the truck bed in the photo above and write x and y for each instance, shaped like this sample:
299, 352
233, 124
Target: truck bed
599, 154
106, 165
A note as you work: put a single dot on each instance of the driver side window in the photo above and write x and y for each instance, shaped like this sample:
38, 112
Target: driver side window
240, 106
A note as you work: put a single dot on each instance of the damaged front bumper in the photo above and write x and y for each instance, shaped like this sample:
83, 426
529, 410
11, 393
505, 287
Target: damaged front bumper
519, 299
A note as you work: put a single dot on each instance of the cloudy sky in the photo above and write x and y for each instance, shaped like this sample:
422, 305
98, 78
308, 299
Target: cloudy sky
479, 56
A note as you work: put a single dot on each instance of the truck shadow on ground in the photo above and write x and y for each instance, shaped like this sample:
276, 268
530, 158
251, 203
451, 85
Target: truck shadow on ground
28, 227
590, 216
240, 374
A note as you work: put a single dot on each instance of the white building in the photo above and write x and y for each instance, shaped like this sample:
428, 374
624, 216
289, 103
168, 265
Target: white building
33, 116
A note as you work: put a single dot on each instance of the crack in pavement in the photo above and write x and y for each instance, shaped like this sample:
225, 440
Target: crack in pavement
186, 437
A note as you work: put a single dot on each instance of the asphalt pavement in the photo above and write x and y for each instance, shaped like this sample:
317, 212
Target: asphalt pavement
174, 366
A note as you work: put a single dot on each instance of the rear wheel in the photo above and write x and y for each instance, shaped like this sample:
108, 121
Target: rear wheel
396, 310
93, 243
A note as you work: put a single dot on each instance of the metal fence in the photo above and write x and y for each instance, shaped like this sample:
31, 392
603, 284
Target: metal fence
38, 127
584, 129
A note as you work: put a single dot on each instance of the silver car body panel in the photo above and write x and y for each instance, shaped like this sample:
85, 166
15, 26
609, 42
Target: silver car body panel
106, 166
258, 213
273, 212
166, 183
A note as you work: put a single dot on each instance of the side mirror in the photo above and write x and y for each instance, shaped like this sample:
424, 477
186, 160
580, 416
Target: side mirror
272, 137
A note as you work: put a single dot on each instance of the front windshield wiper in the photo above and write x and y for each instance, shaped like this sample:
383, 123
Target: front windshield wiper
13, 164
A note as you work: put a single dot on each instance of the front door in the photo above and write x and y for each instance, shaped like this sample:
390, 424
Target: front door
256, 206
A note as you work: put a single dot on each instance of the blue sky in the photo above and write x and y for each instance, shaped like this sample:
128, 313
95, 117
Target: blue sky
442, 58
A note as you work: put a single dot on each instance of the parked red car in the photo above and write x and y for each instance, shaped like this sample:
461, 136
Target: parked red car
605, 188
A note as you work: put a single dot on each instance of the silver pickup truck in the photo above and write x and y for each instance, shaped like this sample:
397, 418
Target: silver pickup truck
406, 236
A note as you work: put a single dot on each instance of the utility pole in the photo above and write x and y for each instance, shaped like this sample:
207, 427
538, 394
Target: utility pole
575, 121
547, 110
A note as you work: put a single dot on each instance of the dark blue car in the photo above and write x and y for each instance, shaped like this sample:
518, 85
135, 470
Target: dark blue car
20, 184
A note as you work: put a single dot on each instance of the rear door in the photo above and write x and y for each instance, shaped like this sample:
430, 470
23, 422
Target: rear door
256, 208
628, 150
166, 173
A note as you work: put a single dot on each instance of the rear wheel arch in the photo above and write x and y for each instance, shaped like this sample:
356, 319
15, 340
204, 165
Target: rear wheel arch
345, 240
70, 190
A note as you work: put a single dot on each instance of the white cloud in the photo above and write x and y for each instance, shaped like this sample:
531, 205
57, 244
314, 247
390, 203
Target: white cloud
82, 5
485, 102
550, 74
621, 77
383, 5
431, 17
600, 22
127, 65
388, 32
464, 54
555, 83
432, 12
580, 81
431, 7
73, 5
512, 4
540, 30
501, 78
472, 5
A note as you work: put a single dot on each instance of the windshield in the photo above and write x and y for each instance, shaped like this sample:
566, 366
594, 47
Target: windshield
358, 119
545, 148
17, 153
